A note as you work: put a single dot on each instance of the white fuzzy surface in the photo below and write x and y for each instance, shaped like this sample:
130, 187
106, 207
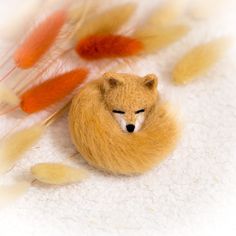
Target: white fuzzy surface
191, 193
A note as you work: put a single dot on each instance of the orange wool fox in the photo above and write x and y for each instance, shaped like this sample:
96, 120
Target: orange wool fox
119, 124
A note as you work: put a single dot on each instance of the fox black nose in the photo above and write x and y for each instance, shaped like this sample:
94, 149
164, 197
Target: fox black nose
130, 128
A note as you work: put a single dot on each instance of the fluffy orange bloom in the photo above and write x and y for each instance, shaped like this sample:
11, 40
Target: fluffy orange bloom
40, 40
52, 91
108, 46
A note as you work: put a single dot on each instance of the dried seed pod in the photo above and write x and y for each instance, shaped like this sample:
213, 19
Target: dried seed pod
156, 39
8, 96
108, 46
200, 59
9, 194
168, 13
40, 40
13, 147
57, 174
52, 91
103, 23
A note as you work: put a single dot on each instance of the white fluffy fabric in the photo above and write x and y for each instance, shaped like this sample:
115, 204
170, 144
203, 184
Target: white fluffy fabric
191, 193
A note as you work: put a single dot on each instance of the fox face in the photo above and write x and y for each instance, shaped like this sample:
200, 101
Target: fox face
130, 121
129, 98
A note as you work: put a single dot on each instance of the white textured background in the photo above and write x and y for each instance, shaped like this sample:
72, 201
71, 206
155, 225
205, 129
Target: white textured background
192, 193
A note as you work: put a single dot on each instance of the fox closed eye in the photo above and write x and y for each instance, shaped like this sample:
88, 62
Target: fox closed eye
122, 112
118, 112
140, 111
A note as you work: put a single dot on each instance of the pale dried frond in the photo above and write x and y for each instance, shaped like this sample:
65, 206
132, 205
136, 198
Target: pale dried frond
10, 193
8, 96
155, 39
57, 174
13, 147
168, 13
200, 59
108, 21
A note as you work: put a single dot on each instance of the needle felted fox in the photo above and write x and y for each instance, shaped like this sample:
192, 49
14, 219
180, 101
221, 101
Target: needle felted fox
120, 125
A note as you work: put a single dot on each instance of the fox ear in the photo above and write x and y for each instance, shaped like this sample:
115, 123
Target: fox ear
111, 80
150, 81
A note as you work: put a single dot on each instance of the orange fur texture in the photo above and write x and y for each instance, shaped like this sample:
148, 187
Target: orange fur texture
52, 91
40, 40
98, 136
108, 46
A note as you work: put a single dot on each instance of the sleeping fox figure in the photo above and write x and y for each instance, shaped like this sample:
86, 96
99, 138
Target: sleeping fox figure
119, 124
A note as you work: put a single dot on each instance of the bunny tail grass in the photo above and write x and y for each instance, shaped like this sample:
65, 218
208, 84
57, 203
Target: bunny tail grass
108, 21
11, 193
40, 40
57, 174
52, 91
78, 14
13, 147
156, 39
200, 59
108, 46
8, 96
168, 13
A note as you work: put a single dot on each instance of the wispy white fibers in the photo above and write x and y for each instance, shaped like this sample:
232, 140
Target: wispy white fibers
18, 23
